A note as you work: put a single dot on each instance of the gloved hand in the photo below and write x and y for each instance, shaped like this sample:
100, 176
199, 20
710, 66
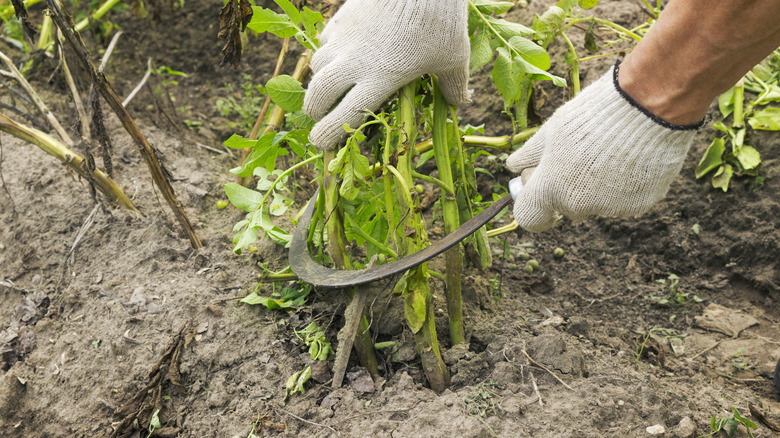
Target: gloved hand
371, 48
599, 154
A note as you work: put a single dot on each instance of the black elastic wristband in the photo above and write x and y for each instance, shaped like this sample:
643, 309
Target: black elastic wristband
647, 112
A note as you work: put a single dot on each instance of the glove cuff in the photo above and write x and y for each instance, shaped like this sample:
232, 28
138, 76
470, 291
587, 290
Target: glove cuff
645, 111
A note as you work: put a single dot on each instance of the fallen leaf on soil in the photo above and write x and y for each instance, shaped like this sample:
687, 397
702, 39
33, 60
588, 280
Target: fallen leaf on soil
721, 319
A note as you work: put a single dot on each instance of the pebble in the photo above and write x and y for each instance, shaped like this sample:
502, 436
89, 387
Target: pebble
686, 428
658, 429
36, 279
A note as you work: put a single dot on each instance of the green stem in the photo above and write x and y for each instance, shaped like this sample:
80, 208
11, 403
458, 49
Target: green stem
575, 66
8, 11
417, 288
359, 231
449, 190
453, 260
603, 22
99, 13
739, 102
44, 39
501, 230
337, 249
503, 143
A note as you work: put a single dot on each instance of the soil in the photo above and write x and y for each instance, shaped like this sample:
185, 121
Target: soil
90, 297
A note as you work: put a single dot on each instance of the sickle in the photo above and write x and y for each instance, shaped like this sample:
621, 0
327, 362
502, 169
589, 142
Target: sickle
309, 271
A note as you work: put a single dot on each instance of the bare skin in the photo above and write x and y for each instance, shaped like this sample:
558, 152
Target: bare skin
697, 50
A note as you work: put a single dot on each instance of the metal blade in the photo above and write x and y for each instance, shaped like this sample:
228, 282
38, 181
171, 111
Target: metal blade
309, 271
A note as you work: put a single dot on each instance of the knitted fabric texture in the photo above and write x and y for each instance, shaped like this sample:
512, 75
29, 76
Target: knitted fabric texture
598, 154
371, 48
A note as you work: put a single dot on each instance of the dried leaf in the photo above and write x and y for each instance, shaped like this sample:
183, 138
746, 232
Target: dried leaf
233, 20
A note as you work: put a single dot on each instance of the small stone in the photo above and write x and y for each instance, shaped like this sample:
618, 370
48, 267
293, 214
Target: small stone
658, 429
36, 279
686, 428
330, 400
320, 372
621, 402
360, 380
154, 308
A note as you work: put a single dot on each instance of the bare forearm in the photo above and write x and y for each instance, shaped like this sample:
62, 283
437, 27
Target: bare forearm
697, 50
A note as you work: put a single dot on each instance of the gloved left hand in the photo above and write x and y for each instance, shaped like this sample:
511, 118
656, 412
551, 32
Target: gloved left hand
371, 48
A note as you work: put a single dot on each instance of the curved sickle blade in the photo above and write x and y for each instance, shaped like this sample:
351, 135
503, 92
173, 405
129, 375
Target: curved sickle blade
309, 271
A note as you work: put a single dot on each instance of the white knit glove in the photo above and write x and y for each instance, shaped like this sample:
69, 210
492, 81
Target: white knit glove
371, 48
599, 154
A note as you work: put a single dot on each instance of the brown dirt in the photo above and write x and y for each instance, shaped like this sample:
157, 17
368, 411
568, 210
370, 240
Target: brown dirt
78, 340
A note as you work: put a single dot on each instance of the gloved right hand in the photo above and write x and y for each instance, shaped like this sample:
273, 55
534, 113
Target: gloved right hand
599, 154
371, 48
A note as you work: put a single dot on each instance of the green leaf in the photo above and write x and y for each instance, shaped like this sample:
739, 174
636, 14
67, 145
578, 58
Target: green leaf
506, 76
272, 304
414, 309
548, 23
508, 29
567, 5
237, 142
722, 177
242, 197
712, 158
748, 157
481, 52
263, 154
301, 120
538, 74
279, 204
491, 7
155, 422
590, 39
266, 20
768, 119
588, 4
289, 9
359, 163
531, 52
243, 239
349, 189
726, 102
286, 92
336, 163
310, 19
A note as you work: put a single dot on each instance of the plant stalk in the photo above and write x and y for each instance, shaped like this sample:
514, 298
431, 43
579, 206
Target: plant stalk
65, 23
739, 102
68, 157
452, 256
417, 288
337, 250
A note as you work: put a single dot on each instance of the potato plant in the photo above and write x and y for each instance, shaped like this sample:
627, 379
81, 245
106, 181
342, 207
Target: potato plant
730, 153
369, 208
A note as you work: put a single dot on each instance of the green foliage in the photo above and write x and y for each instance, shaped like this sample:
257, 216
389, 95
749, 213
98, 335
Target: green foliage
286, 298
319, 349
731, 423
675, 297
286, 92
246, 107
154, 423
516, 55
303, 24
730, 154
